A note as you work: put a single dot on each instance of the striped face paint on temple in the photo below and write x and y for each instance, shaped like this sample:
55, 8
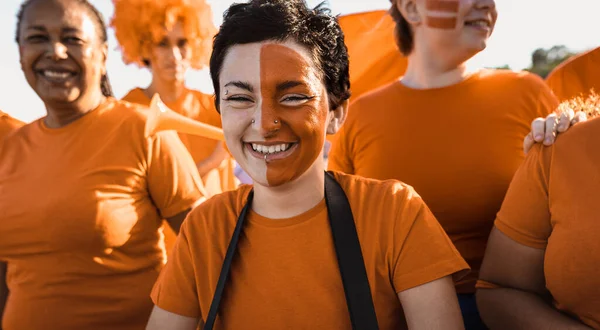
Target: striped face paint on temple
442, 14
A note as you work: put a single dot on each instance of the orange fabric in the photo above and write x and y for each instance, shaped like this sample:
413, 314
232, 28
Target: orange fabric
81, 209
200, 107
578, 75
8, 124
458, 146
552, 204
285, 274
375, 60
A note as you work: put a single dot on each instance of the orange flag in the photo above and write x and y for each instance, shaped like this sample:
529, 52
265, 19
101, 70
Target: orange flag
375, 60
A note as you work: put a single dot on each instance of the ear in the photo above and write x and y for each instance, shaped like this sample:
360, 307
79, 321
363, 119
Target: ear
104, 50
337, 117
409, 10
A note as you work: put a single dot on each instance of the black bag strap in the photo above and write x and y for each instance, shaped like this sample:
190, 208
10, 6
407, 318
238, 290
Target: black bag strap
348, 251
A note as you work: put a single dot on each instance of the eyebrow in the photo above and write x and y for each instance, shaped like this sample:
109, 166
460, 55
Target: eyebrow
241, 84
287, 85
43, 29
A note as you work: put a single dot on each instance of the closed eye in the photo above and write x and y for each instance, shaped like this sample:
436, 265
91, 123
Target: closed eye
36, 38
238, 98
296, 99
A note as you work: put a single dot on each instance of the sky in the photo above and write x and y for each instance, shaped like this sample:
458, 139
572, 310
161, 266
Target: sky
522, 27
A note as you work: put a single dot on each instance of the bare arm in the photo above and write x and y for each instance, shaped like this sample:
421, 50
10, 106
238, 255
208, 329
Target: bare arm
431, 306
176, 220
161, 319
214, 160
522, 302
3, 290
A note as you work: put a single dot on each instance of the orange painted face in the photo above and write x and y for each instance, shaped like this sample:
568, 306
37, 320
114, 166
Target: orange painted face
442, 14
275, 114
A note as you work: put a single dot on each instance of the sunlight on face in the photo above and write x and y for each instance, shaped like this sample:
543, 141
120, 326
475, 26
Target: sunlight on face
274, 110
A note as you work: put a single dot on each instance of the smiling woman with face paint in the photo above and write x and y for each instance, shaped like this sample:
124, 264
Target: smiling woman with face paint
81, 209
456, 136
280, 72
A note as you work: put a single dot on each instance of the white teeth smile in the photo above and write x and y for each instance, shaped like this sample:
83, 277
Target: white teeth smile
479, 23
56, 74
271, 149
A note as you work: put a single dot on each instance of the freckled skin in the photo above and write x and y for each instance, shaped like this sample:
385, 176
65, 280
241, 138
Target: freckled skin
303, 123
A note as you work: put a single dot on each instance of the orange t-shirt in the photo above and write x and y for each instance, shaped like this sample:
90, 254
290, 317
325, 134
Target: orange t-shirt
577, 75
8, 124
553, 204
80, 216
286, 275
458, 146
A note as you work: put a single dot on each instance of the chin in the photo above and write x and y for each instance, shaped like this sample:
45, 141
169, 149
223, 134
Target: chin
58, 96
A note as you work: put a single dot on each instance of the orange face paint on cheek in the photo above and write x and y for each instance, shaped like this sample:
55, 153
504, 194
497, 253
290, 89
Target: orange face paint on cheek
441, 14
445, 23
303, 124
448, 6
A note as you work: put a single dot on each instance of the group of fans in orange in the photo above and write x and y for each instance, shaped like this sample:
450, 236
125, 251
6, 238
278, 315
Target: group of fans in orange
472, 192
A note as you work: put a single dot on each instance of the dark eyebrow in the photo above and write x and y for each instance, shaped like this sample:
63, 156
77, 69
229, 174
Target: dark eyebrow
241, 84
287, 85
70, 30
37, 28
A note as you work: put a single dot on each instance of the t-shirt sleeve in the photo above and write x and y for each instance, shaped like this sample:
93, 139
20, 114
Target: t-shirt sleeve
547, 102
421, 249
175, 290
173, 179
525, 212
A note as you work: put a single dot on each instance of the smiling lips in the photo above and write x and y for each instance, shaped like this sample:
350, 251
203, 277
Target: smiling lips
272, 151
56, 74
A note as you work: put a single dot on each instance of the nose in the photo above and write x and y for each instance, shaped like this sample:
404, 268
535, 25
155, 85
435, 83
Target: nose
57, 51
269, 120
175, 54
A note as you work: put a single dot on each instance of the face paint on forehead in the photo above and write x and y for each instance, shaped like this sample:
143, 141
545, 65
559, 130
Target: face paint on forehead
293, 110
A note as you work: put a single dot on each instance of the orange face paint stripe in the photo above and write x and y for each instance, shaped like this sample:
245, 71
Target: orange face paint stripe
446, 23
449, 6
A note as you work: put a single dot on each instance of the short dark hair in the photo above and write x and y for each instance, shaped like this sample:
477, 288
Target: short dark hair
281, 20
100, 24
403, 33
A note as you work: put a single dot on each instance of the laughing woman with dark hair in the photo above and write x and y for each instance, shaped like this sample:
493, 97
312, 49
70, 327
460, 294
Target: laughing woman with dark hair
267, 256
82, 191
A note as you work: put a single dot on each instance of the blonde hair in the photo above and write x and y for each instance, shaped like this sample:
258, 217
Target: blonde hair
589, 105
140, 24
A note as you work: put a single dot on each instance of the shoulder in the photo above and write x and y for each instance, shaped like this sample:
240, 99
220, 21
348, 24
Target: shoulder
582, 136
376, 192
136, 95
218, 214
518, 80
574, 64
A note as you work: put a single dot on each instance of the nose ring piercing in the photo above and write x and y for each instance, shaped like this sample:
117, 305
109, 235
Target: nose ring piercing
276, 121
253, 121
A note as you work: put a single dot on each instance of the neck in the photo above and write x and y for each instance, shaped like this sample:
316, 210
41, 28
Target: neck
60, 115
427, 70
168, 91
292, 198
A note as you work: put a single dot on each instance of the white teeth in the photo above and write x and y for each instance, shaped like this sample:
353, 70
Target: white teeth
270, 149
55, 74
480, 23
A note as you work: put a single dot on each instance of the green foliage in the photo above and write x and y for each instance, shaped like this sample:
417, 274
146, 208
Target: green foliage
543, 61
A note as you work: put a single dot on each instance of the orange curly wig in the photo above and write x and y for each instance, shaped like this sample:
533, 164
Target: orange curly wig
140, 24
589, 105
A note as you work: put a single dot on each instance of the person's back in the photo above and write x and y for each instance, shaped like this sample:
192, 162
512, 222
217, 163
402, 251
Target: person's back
577, 76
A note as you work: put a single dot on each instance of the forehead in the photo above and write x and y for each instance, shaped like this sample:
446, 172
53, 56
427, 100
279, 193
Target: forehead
176, 31
59, 14
248, 61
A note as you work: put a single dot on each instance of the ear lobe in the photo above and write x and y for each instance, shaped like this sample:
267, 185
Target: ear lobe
338, 117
